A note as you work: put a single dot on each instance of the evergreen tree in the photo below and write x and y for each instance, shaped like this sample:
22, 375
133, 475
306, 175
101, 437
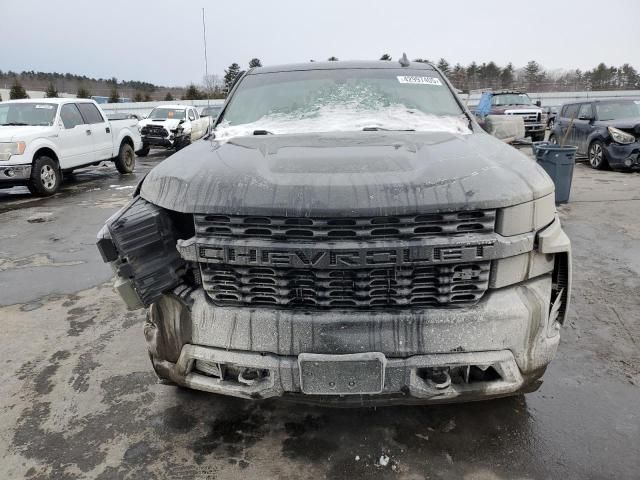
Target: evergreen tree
168, 97
193, 93
386, 57
332, 59
138, 97
17, 91
83, 93
255, 62
114, 96
51, 91
506, 76
443, 65
147, 98
533, 74
230, 75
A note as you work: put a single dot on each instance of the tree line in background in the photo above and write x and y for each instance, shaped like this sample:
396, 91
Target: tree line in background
531, 78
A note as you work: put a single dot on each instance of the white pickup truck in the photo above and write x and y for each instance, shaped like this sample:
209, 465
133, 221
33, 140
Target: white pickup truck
42, 139
172, 126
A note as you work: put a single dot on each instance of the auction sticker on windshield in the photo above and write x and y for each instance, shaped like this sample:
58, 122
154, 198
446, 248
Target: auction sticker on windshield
419, 80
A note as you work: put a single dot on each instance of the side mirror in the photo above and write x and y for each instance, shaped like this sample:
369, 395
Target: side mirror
585, 117
202, 115
538, 103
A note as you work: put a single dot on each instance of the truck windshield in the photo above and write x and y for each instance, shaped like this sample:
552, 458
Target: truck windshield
341, 100
511, 99
618, 110
162, 113
19, 114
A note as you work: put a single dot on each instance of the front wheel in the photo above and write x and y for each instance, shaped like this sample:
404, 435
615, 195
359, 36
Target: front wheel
45, 177
596, 155
125, 161
551, 124
553, 140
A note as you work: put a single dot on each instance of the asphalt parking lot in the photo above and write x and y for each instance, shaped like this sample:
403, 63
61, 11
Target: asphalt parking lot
79, 398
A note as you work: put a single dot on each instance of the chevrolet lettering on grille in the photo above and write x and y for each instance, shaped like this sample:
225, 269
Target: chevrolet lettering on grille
347, 258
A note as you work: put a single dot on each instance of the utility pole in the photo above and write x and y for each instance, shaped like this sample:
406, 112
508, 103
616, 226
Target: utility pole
206, 67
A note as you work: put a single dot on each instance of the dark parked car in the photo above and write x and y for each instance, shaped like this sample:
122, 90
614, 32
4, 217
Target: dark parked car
606, 131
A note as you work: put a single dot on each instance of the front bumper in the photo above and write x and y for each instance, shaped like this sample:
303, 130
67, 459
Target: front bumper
508, 331
157, 141
11, 175
403, 381
530, 127
623, 156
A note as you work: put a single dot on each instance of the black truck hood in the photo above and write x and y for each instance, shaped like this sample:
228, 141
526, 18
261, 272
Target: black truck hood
346, 174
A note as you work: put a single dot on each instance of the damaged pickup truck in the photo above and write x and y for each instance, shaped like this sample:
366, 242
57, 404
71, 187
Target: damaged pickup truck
349, 235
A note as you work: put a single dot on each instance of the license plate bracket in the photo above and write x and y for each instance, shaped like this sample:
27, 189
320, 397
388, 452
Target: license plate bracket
349, 374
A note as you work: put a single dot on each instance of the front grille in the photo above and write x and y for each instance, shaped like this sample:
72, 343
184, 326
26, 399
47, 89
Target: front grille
528, 117
419, 286
401, 226
154, 131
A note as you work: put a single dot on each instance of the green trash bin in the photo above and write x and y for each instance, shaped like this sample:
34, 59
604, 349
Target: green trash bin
558, 162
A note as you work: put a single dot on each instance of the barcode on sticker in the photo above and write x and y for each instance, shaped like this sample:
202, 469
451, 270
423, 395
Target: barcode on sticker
419, 80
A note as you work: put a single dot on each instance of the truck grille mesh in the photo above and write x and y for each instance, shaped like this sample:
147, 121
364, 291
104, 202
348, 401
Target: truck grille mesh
402, 226
420, 286
154, 131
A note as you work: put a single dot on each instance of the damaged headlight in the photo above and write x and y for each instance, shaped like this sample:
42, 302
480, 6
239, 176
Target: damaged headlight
621, 137
11, 148
526, 217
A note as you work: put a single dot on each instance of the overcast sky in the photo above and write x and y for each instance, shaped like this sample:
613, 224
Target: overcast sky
160, 41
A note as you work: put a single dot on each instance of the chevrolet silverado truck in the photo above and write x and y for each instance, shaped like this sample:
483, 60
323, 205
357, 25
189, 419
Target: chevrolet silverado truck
508, 102
172, 127
40, 140
347, 234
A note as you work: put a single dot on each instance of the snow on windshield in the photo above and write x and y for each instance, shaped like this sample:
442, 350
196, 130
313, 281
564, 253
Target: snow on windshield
332, 104
336, 118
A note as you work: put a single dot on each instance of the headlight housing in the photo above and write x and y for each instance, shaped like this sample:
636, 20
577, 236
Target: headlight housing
526, 217
619, 136
11, 148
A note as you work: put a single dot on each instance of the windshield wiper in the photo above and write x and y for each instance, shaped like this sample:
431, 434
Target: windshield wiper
14, 124
262, 132
380, 129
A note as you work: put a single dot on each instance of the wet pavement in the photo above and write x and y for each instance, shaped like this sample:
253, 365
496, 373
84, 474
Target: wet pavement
79, 398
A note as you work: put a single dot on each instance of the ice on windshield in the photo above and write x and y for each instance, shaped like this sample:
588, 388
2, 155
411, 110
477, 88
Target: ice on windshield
326, 105
345, 118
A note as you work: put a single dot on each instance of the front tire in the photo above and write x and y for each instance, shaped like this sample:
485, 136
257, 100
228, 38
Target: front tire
553, 140
45, 177
126, 160
596, 155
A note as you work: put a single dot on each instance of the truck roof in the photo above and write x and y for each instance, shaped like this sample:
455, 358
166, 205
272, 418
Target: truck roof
51, 100
340, 65
175, 106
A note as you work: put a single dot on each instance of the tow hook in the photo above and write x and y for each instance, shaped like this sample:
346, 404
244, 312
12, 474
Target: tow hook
439, 378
